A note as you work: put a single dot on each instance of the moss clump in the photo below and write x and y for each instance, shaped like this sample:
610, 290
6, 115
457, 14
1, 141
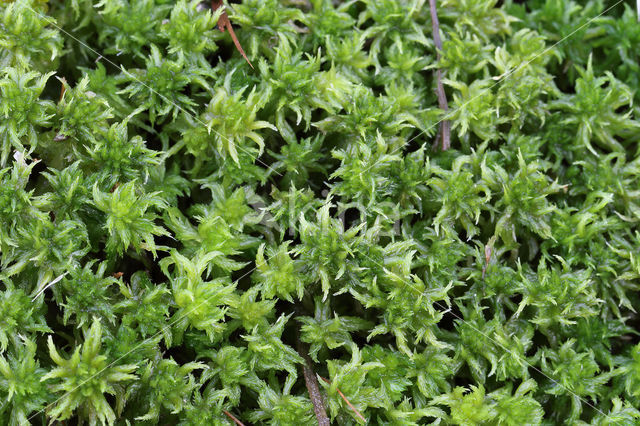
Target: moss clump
185, 239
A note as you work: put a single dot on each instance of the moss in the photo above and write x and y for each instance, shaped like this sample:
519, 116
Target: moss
184, 238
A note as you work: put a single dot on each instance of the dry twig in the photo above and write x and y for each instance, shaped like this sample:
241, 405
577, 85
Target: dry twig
313, 388
232, 417
223, 23
355, 410
445, 126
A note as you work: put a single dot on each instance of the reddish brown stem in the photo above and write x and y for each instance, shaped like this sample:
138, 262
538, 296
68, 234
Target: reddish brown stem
63, 89
445, 126
354, 409
224, 22
232, 417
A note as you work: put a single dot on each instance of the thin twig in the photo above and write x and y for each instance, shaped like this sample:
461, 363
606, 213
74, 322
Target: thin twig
63, 88
224, 22
232, 417
445, 126
313, 388
355, 410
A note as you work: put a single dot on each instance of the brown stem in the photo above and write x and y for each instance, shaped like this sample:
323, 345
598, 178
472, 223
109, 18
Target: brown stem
313, 388
355, 410
223, 22
63, 89
445, 125
232, 417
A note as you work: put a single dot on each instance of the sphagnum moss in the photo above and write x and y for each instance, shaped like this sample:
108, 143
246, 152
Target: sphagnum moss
187, 240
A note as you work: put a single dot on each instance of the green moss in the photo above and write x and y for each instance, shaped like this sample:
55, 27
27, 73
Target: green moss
182, 236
